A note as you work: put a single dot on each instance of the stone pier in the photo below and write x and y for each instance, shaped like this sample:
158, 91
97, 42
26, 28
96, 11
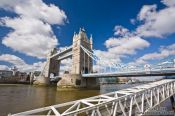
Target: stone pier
75, 81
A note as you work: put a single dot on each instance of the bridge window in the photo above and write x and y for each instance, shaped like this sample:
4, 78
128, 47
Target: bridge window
75, 44
85, 70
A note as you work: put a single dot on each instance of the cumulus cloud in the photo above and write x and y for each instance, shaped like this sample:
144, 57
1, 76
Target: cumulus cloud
152, 23
12, 59
123, 43
19, 63
169, 2
35, 9
32, 26
121, 31
4, 67
104, 56
157, 23
65, 65
146, 11
36, 66
122, 46
164, 52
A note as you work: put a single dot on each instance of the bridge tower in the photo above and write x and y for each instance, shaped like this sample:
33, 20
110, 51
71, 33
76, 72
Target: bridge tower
81, 64
52, 66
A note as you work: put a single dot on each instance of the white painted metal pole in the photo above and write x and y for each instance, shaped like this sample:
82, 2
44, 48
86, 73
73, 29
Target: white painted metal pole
84, 62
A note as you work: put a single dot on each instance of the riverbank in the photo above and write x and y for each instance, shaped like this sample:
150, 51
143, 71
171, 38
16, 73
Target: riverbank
20, 82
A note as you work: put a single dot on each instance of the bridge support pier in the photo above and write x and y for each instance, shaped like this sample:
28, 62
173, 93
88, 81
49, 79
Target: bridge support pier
75, 81
42, 81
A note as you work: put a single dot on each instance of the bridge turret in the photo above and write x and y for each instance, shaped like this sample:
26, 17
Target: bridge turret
91, 42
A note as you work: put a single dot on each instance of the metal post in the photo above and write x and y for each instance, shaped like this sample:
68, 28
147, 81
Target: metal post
131, 104
151, 98
158, 95
84, 62
142, 108
88, 63
172, 102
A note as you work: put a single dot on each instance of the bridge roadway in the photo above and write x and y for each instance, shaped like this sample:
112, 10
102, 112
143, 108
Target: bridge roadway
66, 53
155, 72
135, 101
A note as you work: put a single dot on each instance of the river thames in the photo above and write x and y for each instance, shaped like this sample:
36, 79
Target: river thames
18, 98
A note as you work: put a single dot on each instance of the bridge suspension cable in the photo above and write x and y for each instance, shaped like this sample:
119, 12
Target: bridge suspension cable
100, 61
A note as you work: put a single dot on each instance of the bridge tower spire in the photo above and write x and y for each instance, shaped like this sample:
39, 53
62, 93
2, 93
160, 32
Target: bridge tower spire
91, 42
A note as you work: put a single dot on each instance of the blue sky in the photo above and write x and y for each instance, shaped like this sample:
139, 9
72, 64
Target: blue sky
135, 32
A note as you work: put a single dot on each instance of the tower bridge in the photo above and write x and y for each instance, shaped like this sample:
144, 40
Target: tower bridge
82, 73
81, 63
127, 102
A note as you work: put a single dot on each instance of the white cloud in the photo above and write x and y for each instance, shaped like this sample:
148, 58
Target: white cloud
4, 67
106, 55
19, 63
65, 65
12, 59
146, 11
157, 23
123, 46
169, 2
31, 37
121, 31
32, 33
164, 52
37, 66
123, 43
35, 9
133, 21
118, 48
153, 22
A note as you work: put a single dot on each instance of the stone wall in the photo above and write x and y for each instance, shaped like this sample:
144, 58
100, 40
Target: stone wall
76, 81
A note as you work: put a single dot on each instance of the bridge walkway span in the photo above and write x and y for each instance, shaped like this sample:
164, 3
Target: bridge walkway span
132, 101
157, 72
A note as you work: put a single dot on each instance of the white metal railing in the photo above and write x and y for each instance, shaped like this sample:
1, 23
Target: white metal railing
132, 101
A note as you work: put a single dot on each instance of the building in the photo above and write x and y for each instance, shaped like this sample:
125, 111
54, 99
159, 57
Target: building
5, 73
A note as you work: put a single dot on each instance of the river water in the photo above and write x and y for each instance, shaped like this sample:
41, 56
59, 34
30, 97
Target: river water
18, 98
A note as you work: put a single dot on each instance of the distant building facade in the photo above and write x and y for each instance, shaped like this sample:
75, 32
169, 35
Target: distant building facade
6, 73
